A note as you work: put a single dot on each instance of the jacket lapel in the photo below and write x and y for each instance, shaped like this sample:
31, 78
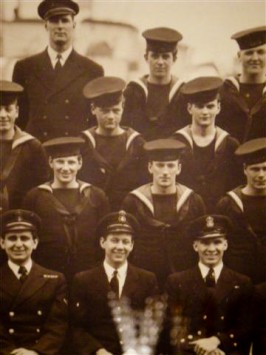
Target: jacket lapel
43, 70
131, 282
31, 285
9, 283
225, 285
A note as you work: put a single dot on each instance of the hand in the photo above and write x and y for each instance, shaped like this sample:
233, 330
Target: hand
205, 346
217, 352
22, 351
103, 352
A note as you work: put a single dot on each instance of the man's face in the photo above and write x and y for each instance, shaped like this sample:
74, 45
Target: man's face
256, 176
65, 169
160, 64
8, 116
117, 247
253, 60
19, 246
108, 118
211, 250
164, 172
61, 30
204, 114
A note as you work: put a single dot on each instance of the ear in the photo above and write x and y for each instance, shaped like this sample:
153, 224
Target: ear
93, 108
189, 107
80, 160
102, 242
179, 168
225, 244
150, 167
2, 244
195, 246
36, 242
218, 107
17, 111
51, 162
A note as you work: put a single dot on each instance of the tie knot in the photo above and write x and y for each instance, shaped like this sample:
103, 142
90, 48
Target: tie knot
59, 56
210, 278
22, 270
115, 273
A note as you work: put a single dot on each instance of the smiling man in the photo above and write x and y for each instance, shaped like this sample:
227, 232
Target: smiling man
208, 304
244, 96
209, 165
70, 210
33, 305
152, 103
113, 154
23, 163
246, 207
52, 104
94, 330
163, 209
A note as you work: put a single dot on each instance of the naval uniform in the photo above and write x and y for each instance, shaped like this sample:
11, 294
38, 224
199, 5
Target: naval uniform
247, 241
116, 164
92, 322
153, 110
69, 219
198, 311
162, 246
212, 170
33, 315
259, 325
242, 115
53, 105
23, 166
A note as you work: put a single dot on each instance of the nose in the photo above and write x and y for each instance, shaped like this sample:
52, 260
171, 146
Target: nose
18, 242
205, 110
3, 112
255, 55
65, 166
261, 173
211, 247
120, 244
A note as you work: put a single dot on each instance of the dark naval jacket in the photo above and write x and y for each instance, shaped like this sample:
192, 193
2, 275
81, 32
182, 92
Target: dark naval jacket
33, 315
235, 117
93, 326
136, 115
198, 312
54, 106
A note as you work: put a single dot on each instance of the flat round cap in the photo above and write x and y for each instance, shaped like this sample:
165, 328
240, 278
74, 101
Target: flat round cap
64, 146
253, 151
50, 8
103, 86
117, 222
20, 220
209, 226
202, 89
10, 87
162, 39
164, 149
250, 38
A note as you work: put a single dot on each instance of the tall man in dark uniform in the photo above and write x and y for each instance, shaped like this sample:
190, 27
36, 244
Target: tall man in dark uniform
244, 97
53, 104
23, 162
209, 165
152, 103
33, 305
209, 304
246, 207
114, 156
70, 210
163, 209
94, 329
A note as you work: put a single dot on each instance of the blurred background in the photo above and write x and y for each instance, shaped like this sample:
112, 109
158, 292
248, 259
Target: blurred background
110, 33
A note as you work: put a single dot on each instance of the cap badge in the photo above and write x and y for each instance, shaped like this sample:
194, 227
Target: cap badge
209, 222
122, 217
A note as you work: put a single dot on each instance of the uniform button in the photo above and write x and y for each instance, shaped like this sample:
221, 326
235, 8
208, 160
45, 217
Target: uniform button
121, 342
204, 317
11, 331
190, 337
182, 340
235, 345
38, 330
66, 101
67, 117
118, 319
77, 304
199, 332
222, 317
120, 330
232, 336
44, 117
45, 134
66, 133
11, 314
39, 312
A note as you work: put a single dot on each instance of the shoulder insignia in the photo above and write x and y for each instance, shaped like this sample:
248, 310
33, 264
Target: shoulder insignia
50, 276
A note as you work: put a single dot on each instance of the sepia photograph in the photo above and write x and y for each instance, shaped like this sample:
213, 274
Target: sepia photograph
133, 177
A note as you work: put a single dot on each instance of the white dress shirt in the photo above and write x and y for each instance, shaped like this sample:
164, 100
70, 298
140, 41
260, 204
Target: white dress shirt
53, 55
121, 274
205, 269
14, 267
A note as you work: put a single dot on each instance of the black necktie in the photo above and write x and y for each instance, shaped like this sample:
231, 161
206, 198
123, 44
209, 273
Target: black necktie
58, 65
23, 273
210, 278
114, 283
